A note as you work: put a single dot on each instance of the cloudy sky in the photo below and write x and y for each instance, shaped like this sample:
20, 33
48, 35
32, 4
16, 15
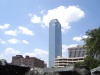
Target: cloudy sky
24, 25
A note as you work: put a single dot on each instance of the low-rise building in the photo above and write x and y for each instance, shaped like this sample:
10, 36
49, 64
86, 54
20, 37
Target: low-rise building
62, 62
28, 61
76, 54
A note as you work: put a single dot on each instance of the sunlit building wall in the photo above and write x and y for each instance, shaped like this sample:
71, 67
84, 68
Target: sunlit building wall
78, 51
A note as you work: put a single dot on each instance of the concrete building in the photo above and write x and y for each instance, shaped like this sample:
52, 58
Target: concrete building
76, 54
28, 61
62, 62
78, 51
55, 41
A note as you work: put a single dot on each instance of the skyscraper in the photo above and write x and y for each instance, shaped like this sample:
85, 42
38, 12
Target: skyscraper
55, 41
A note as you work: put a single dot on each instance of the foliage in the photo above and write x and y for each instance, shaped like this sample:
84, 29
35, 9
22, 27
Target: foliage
92, 43
91, 62
80, 63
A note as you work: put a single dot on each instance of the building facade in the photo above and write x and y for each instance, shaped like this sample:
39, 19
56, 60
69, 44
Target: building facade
19, 60
55, 41
76, 54
63, 62
78, 51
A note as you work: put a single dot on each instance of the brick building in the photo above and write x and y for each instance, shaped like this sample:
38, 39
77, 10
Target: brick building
28, 61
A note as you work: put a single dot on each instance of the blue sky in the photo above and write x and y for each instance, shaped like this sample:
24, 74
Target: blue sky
24, 25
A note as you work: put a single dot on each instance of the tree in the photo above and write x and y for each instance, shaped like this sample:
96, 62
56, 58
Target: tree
80, 63
91, 62
92, 42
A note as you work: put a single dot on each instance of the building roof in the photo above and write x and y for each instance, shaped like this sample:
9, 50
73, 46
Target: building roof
78, 46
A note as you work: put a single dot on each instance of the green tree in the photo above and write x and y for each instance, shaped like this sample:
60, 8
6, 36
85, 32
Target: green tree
80, 63
92, 42
91, 62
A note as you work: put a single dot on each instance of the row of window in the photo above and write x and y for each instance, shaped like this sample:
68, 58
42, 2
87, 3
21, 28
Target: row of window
68, 59
77, 54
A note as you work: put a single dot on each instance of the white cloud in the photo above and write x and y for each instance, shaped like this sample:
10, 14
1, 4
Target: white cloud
8, 53
11, 32
2, 56
30, 14
85, 36
65, 15
79, 38
43, 11
13, 41
5, 26
2, 41
73, 45
25, 42
39, 53
35, 19
65, 49
24, 30
11, 51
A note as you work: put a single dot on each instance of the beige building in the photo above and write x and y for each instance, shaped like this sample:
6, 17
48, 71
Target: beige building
76, 54
62, 62
28, 61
